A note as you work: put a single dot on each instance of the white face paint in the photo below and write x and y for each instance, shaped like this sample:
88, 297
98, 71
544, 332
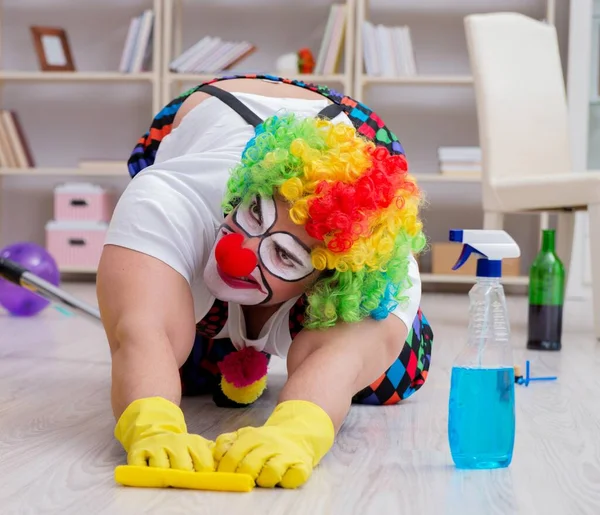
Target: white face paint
248, 291
257, 217
285, 257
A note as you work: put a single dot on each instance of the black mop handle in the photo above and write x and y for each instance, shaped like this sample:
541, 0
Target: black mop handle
14, 273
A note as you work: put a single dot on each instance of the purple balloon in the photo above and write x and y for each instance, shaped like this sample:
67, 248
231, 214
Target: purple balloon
16, 299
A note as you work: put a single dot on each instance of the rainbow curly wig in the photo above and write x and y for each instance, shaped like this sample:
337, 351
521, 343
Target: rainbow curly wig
353, 196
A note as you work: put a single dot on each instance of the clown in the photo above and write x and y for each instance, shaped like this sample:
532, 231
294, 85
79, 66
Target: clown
265, 217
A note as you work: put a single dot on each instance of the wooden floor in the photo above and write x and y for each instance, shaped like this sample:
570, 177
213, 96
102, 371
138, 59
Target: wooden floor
57, 453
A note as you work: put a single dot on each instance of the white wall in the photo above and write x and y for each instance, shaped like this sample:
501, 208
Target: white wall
68, 122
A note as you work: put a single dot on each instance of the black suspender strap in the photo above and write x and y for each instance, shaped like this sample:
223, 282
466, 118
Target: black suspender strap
237, 105
331, 111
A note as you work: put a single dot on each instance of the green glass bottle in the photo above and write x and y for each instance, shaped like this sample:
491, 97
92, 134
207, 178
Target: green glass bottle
546, 297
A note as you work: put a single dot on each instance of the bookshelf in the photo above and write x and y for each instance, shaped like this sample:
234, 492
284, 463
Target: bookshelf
153, 77
440, 88
433, 72
100, 73
177, 41
32, 77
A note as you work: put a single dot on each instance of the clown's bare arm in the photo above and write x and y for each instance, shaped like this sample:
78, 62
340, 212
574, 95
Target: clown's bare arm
148, 316
147, 312
328, 367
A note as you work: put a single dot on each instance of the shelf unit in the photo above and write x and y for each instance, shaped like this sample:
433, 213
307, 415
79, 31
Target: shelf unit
152, 78
25, 76
169, 38
172, 83
364, 83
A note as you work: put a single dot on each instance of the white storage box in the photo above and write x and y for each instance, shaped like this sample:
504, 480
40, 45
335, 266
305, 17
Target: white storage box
76, 245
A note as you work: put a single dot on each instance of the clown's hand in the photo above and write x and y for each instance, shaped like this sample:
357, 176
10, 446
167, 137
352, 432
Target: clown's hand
284, 451
154, 433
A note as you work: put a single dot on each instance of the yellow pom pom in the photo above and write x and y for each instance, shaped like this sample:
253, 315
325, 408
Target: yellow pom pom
247, 394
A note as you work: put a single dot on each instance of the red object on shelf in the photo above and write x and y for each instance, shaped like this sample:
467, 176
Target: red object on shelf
306, 61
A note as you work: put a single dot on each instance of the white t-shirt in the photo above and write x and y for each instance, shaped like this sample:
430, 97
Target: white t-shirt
172, 209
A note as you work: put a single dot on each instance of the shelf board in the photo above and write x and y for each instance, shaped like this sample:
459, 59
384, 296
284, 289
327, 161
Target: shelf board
87, 172
202, 77
435, 177
78, 269
37, 76
118, 172
420, 80
466, 279
425, 277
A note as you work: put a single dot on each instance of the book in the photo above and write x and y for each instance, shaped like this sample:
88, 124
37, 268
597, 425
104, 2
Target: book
142, 41
7, 156
137, 51
332, 41
14, 147
387, 51
211, 55
134, 26
460, 161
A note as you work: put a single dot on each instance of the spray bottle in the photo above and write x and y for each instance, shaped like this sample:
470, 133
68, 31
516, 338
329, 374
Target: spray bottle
481, 419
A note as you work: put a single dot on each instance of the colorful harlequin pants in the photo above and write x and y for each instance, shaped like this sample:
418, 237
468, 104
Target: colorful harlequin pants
200, 373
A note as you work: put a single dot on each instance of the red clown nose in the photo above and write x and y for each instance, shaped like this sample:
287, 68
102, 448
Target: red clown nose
232, 258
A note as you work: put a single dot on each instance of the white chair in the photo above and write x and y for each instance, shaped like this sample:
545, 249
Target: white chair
523, 131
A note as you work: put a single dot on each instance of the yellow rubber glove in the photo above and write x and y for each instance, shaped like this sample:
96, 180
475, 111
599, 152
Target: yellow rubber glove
154, 433
284, 451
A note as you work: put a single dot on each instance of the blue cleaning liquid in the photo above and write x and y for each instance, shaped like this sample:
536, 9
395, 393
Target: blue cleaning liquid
481, 422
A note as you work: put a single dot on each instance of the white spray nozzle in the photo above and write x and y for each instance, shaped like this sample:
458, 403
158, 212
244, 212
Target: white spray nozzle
491, 245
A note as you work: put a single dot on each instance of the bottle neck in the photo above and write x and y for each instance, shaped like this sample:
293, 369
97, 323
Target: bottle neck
488, 269
548, 240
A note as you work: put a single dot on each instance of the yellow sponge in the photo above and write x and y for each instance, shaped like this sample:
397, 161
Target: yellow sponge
153, 477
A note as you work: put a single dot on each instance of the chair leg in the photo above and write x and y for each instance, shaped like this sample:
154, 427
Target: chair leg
493, 220
594, 219
564, 239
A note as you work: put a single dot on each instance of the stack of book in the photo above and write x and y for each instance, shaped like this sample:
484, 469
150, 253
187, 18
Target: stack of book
14, 150
137, 52
460, 161
210, 55
331, 44
388, 51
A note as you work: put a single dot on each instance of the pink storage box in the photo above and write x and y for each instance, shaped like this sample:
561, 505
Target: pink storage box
82, 201
76, 245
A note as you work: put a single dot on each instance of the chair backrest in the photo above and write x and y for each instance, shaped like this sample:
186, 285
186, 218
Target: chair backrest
520, 96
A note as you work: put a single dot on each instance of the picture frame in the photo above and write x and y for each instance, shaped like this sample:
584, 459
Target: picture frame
52, 48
